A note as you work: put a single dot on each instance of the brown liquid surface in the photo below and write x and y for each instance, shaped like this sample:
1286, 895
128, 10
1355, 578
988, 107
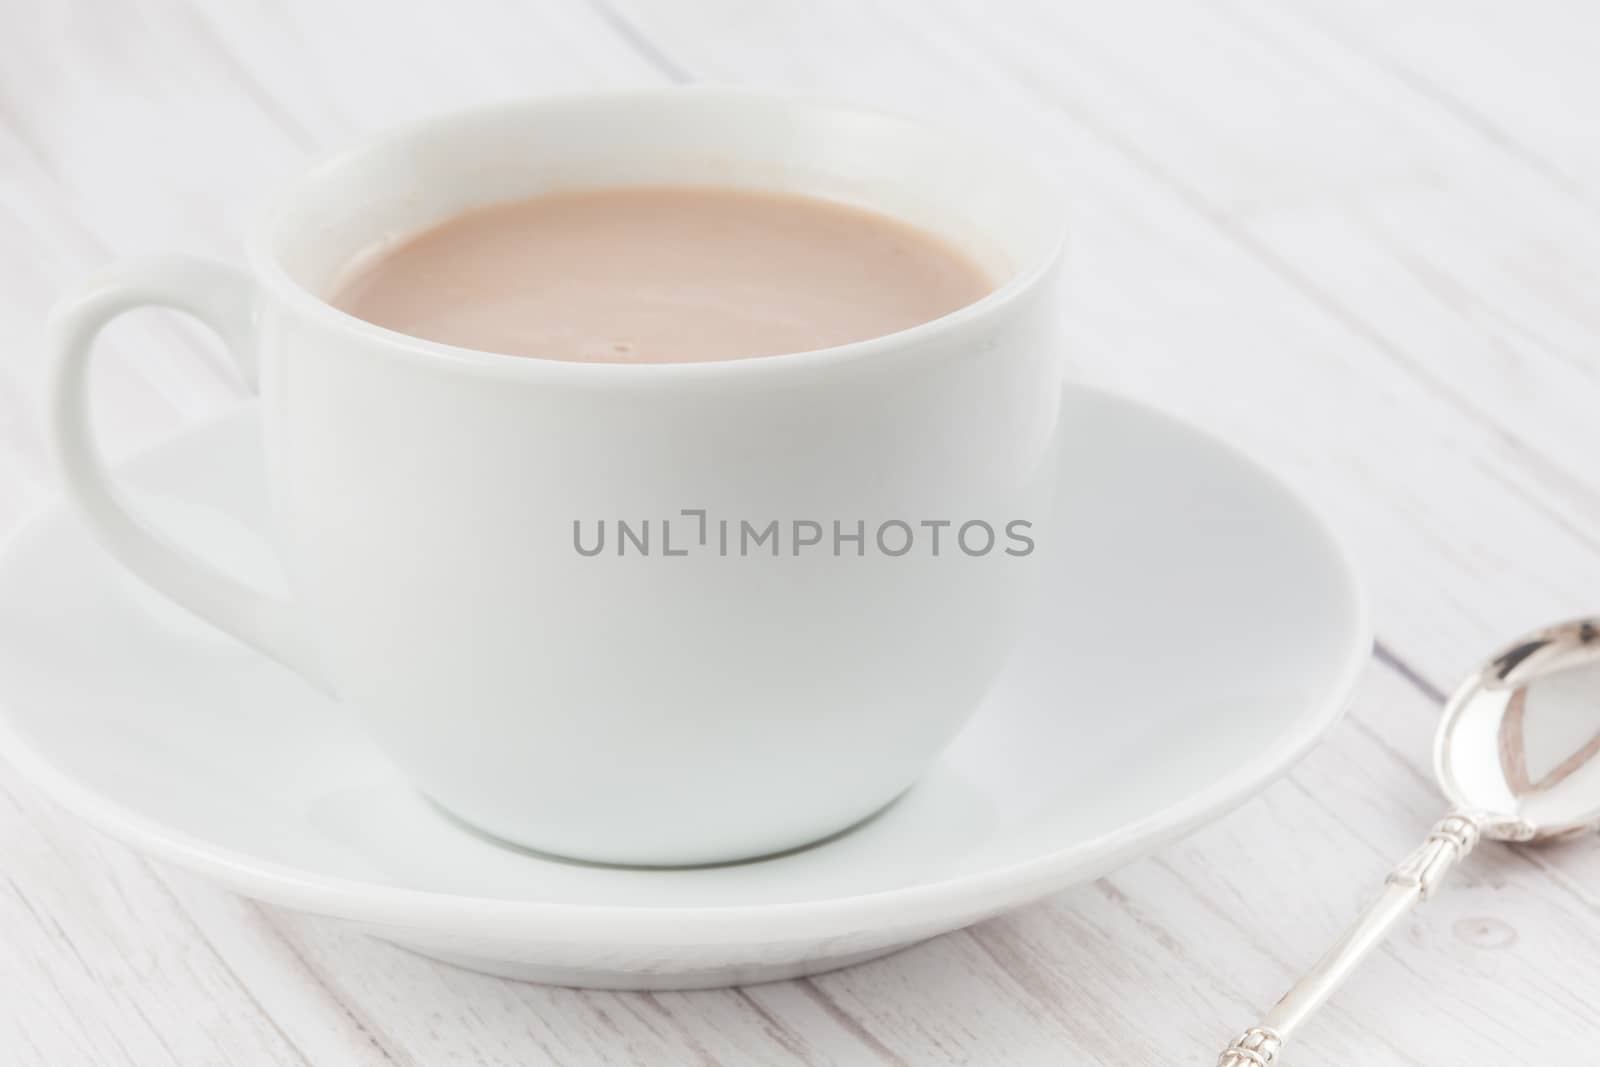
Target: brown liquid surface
661, 275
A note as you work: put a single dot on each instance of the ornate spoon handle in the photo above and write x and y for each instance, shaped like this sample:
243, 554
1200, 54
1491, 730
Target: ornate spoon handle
1414, 880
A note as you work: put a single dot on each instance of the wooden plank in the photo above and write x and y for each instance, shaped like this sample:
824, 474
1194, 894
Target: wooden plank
102, 966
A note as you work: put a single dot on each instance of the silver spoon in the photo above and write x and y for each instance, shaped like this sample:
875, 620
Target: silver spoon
1518, 755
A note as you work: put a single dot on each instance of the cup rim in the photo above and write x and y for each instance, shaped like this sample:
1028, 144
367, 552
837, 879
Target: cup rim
274, 277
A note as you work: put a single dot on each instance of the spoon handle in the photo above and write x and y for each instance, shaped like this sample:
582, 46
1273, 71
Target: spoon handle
1414, 880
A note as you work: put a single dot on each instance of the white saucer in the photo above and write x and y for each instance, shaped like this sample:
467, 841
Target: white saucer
1201, 633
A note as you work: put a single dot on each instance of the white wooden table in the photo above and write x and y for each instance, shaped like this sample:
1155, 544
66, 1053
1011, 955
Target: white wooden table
1360, 238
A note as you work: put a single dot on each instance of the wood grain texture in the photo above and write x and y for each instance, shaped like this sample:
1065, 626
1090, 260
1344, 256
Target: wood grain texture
1359, 239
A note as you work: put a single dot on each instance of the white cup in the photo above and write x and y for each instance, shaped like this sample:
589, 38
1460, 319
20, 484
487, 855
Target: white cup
639, 708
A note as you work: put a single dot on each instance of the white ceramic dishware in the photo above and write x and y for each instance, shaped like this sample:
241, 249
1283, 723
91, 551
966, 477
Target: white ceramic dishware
649, 707
1197, 631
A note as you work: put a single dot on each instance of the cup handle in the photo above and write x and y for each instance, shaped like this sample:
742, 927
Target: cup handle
225, 300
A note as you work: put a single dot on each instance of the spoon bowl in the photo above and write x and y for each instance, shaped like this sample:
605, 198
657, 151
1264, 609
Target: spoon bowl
1519, 744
